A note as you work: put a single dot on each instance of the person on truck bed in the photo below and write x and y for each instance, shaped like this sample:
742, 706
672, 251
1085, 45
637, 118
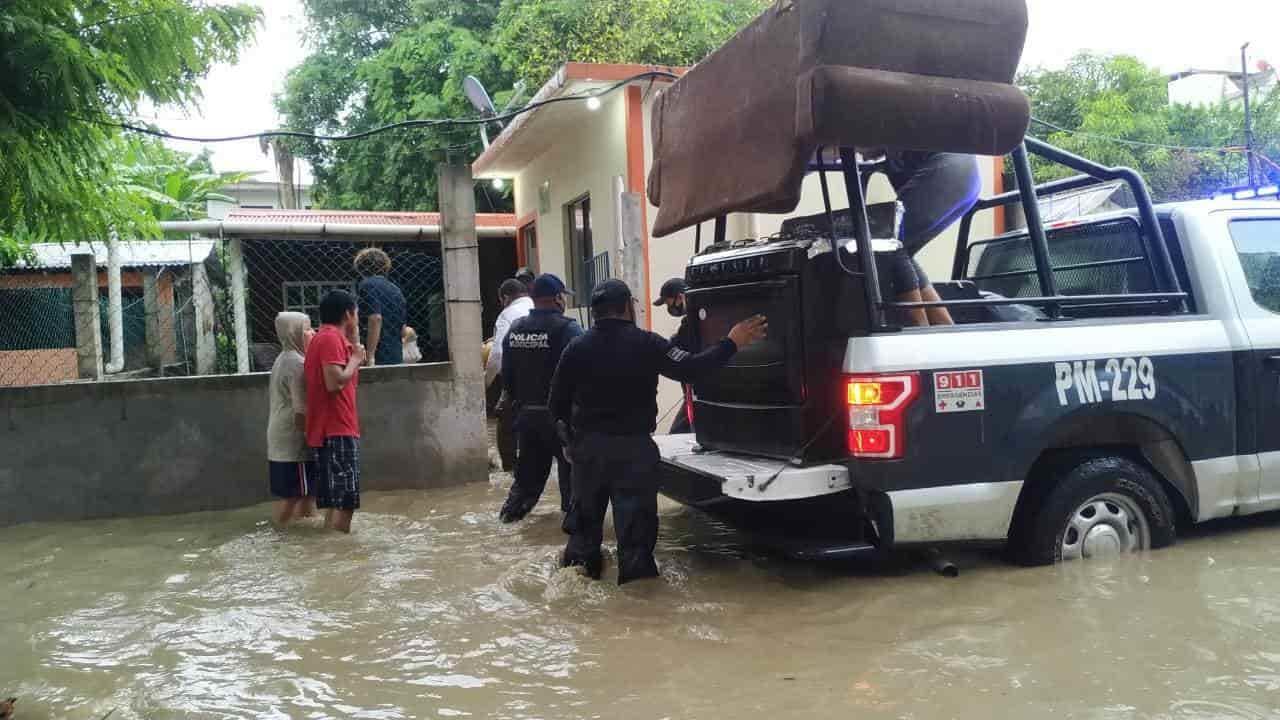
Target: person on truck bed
672, 297
936, 190
604, 402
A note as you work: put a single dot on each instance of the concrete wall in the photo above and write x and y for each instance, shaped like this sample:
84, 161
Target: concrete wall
191, 444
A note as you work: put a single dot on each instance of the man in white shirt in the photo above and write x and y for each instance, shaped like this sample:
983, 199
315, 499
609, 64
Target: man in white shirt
514, 296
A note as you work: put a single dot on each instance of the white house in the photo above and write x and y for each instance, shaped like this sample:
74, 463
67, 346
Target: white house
257, 195
570, 162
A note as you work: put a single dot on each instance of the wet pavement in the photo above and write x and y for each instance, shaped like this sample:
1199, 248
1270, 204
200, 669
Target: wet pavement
432, 609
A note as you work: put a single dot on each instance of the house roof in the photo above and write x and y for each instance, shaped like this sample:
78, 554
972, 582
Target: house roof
526, 136
133, 254
362, 217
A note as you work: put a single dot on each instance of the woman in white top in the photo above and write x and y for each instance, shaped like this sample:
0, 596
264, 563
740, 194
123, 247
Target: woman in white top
291, 470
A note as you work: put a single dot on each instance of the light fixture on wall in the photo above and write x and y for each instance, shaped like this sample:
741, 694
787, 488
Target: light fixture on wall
593, 103
499, 183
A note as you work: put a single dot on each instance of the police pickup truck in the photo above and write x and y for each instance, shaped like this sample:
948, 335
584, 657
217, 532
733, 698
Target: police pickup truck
1108, 380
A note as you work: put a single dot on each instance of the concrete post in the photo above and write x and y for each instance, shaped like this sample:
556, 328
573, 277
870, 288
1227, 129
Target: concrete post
84, 301
461, 252
632, 269
235, 268
151, 306
203, 316
115, 306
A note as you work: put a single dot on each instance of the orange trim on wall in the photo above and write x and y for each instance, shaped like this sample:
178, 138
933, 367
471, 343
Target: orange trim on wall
635, 183
522, 259
997, 187
615, 72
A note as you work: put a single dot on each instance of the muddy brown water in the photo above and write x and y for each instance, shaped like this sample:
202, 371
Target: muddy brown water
431, 609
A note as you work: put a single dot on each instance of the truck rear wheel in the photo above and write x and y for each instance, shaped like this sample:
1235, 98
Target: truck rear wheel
1097, 506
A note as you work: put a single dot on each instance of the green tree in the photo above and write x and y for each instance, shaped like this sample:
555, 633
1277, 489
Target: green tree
173, 185
1098, 99
537, 36
69, 69
386, 61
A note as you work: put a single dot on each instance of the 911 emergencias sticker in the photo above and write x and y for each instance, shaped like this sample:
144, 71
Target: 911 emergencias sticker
958, 391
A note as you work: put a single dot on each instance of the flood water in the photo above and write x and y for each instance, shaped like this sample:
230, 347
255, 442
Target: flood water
433, 609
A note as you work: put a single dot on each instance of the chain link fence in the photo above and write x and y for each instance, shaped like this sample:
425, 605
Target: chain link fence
295, 274
178, 304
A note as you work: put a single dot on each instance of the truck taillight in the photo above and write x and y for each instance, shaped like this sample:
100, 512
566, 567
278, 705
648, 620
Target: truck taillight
877, 406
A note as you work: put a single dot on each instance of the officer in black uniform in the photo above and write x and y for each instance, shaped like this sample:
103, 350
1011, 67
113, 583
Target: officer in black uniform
529, 356
672, 297
604, 402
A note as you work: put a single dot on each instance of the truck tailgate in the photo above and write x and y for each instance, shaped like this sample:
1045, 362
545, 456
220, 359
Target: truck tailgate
752, 479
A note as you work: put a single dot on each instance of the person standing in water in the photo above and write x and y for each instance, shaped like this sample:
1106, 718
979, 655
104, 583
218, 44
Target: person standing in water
332, 370
291, 473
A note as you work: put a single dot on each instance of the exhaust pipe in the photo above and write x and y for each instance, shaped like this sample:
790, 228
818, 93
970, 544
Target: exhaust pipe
941, 564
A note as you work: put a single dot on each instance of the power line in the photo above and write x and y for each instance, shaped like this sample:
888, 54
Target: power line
1134, 143
406, 124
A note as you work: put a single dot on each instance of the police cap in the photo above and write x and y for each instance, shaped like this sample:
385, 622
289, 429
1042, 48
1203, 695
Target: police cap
610, 292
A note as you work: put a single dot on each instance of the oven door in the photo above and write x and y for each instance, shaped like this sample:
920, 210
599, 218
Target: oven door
770, 372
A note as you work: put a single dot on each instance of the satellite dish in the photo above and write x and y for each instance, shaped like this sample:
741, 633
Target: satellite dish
481, 101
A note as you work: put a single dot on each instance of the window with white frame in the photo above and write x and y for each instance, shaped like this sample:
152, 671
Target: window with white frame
305, 296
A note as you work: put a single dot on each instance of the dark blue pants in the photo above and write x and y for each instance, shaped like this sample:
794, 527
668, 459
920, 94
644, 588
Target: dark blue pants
622, 471
538, 446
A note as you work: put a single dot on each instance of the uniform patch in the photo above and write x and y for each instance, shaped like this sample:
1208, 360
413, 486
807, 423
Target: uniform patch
958, 391
678, 355
529, 341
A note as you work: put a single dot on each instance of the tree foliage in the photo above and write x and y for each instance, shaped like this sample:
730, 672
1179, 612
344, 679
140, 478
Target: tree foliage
172, 185
69, 69
537, 36
1098, 99
385, 61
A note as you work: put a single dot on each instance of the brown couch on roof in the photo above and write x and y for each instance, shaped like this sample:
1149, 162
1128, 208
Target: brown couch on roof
735, 134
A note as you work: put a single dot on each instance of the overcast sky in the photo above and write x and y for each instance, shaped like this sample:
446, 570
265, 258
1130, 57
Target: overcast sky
1171, 34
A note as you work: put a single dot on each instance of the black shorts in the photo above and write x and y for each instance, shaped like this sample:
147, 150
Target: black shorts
338, 483
291, 480
907, 274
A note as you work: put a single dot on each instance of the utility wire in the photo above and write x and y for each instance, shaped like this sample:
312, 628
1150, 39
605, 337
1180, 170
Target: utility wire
437, 122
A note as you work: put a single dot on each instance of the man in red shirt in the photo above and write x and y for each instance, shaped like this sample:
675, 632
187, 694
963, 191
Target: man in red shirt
332, 370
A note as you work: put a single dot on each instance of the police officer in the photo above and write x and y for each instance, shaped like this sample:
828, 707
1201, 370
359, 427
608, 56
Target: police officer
604, 401
672, 297
530, 352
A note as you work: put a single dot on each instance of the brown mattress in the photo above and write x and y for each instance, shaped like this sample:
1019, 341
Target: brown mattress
736, 132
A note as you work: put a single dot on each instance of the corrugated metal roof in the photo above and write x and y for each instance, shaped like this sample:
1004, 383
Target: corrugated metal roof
362, 217
133, 254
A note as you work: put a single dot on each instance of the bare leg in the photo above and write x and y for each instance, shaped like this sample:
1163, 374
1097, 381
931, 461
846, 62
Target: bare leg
339, 520
914, 316
284, 511
937, 315
307, 507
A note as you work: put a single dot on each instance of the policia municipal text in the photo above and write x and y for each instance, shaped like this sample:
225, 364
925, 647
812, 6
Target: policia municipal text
604, 403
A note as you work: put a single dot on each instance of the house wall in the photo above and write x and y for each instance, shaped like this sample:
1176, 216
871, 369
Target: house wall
151, 447
584, 162
263, 196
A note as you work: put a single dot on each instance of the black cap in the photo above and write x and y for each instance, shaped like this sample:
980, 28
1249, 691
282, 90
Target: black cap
610, 292
524, 274
549, 286
670, 289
